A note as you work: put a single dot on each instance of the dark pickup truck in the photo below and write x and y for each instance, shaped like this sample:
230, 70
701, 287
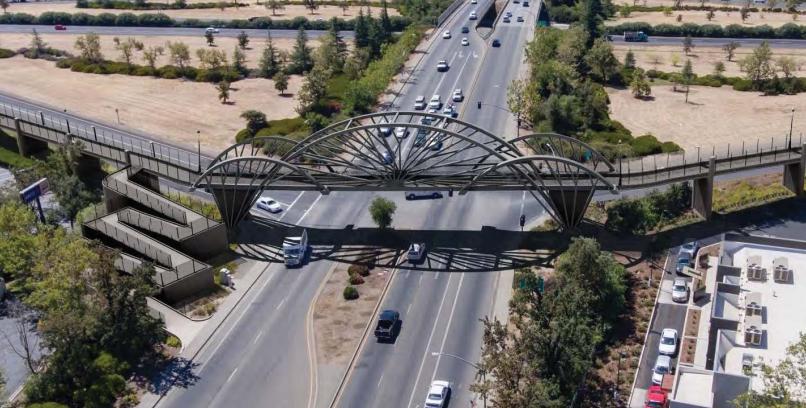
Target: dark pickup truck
388, 325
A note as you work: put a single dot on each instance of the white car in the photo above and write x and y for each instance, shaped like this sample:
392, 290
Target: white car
401, 132
435, 102
465, 41
385, 131
668, 342
663, 365
438, 394
680, 290
417, 250
442, 66
458, 96
447, 34
473, 1
419, 103
211, 30
473, 15
449, 111
269, 204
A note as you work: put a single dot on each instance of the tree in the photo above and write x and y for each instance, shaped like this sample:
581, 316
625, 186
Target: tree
385, 23
516, 100
787, 65
629, 60
719, 68
239, 61
127, 49
281, 82
301, 59
592, 19
179, 54
4, 5
313, 89
361, 30
784, 383
208, 35
255, 120
38, 45
223, 88
332, 50
759, 65
675, 59
273, 5
687, 76
688, 44
710, 15
374, 37
744, 12
311, 5
655, 60
17, 244
639, 86
90, 47
603, 64
730, 49
382, 211
344, 5
151, 54
243, 40
269, 64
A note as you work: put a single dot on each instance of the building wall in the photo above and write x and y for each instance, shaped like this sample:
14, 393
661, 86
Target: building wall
728, 387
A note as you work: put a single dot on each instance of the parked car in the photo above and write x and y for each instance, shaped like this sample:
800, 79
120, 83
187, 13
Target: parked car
465, 30
401, 132
419, 103
690, 247
680, 290
668, 342
438, 394
416, 252
388, 325
458, 96
465, 42
60, 27
447, 34
683, 260
496, 42
442, 66
656, 397
663, 365
269, 204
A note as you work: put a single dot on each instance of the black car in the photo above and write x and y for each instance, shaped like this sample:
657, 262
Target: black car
388, 325
465, 30
496, 43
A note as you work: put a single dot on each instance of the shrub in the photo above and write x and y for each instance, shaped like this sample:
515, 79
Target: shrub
350, 293
6, 53
646, 145
743, 85
356, 280
173, 341
362, 270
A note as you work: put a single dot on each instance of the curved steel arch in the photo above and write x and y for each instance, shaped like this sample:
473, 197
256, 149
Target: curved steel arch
572, 141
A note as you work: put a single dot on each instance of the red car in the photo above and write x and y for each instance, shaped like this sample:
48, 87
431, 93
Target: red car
656, 397
60, 27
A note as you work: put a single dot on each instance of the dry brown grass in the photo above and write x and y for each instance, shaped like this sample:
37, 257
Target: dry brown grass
723, 18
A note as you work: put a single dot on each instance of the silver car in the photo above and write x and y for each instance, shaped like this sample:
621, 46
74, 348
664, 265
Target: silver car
680, 290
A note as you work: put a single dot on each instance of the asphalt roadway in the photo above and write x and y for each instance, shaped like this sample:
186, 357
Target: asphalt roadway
713, 42
162, 31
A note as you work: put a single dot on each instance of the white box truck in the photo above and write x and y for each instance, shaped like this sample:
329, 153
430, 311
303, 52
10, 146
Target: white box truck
295, 245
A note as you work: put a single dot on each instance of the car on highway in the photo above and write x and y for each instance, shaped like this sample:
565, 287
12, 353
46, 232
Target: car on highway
419, 139
385, 131
450, 111
519, 19
465, 30
438, 394
508, 14
525, 3
388, 157
388, 325
416, 252
401, 132
690, 247
506, 19
60, 27
435, 144
435, 102
473, 15
683, 261
516, 1
269, 204
447, 34
663, 366
458, 96
211, 30
465, 42
667, 345
680, 290
433, 111
474, 1
496, 42
419, 103
412, 195
442, 66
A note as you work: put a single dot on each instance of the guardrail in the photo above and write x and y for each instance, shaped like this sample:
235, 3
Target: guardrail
448, 11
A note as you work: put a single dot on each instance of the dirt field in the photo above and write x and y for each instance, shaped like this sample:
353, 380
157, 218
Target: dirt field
338, 323
713, 116
699, 17
702, 58
66, 42
229, 13
168, 108
693, 3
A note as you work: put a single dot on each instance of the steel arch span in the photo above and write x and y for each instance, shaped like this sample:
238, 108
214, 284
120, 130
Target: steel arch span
408, 151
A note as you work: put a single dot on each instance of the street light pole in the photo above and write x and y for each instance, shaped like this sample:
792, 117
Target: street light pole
791, 123
474, 365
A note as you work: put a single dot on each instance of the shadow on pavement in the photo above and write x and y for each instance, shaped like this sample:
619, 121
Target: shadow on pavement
176, 372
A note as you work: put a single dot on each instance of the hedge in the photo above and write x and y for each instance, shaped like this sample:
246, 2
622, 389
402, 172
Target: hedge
6, 53
658, 9
166, 72
163, 20
126, 5
786, 31
774, 86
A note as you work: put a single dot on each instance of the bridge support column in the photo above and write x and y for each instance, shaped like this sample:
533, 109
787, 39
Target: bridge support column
234, 205
26, 145
793, 174
702, 192
570, 205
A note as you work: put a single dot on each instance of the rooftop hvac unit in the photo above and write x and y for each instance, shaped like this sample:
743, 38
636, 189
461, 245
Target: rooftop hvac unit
753, 309
782, 274
747, 363
752, 335
755, 273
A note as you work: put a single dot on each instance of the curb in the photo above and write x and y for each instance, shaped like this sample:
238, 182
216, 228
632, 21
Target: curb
649, 327
363, 341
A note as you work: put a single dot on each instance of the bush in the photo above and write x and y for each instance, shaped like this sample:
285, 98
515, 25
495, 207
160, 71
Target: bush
173, 341
788, 31
646, 145
356, 280
637, 216
350, 293
6, 53
361, 270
